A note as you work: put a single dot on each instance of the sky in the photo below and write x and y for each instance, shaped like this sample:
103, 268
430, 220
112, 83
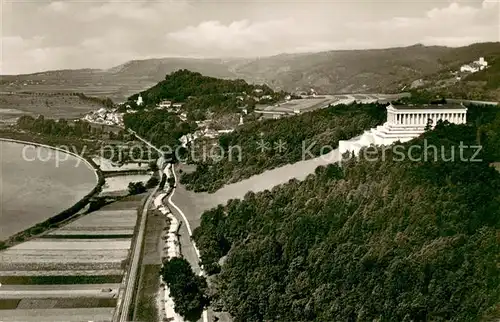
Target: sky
39, 35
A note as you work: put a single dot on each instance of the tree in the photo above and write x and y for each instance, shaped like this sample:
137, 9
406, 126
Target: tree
153, 166
428, 126
187, 289
135, 188
152, 182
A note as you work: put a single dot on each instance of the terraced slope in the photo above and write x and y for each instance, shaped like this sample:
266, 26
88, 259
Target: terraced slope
71, 274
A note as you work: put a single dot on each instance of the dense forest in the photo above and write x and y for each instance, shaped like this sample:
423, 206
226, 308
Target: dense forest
322, 128
384, 240
203, 94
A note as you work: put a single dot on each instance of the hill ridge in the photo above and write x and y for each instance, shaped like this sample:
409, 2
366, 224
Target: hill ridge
336, 71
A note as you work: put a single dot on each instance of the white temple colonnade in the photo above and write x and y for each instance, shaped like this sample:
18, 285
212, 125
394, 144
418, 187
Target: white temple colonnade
419, 117
405, 122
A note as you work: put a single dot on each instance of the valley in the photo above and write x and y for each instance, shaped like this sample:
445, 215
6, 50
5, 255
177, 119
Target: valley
281, 234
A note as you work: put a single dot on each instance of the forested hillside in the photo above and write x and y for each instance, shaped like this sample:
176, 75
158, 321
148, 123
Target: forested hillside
321, 128
180, 85
450, 83
202, 97
386, 240
372, 70
203, 94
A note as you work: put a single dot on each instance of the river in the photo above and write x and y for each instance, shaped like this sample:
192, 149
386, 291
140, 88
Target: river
38, 183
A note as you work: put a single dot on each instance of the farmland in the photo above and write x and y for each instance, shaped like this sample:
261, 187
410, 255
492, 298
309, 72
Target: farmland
73, 273
107, 165
119, 185
149, 283
51, 105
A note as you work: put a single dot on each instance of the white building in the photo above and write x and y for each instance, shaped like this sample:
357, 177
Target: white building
139, 100
471, 68
475, 66
187, 138
405, 122
102, 111
211, 134
482, 63
225, 131
165, 104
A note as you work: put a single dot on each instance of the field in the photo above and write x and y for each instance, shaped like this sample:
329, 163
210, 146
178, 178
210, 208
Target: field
119, 185
73, 273
149, 281
91, 84
107, 165
301, 104
51, 105
9, 115
322, 101
56, 315
149, 285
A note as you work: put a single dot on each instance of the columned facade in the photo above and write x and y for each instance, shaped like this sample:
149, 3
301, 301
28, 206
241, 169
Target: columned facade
405, 123
418, 117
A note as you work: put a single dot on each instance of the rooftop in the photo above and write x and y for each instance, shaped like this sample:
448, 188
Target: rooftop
427, 106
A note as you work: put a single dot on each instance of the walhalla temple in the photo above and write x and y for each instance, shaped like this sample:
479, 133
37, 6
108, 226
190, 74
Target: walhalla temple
405, 122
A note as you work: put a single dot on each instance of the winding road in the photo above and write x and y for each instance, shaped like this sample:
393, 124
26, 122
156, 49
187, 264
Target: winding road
190, 232
141, 236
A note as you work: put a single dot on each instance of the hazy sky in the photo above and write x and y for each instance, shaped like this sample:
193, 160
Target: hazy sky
40, 35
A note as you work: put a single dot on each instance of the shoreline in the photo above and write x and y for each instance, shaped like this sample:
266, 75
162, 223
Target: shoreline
92, 165
64, 214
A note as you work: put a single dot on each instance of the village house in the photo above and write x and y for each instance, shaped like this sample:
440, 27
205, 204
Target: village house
164, 104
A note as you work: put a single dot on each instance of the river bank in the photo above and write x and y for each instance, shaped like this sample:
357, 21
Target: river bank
37, 196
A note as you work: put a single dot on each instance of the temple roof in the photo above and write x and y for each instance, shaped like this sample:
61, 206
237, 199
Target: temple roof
428, 107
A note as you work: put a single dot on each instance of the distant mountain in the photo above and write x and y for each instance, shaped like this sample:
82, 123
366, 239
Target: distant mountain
449, 82
342, 71
156, 69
